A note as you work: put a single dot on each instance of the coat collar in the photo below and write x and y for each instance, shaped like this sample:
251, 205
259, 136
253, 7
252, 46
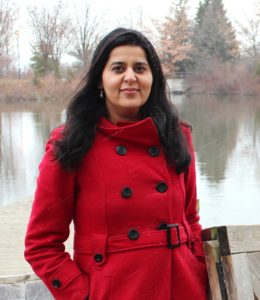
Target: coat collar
142, 132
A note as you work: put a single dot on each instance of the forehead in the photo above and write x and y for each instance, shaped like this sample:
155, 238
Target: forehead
126, 53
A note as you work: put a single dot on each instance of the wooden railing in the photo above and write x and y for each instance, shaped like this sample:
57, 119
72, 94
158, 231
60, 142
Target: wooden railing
233, 262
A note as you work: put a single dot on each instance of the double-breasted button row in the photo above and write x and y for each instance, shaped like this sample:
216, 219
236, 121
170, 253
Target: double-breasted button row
153, 150
127, 192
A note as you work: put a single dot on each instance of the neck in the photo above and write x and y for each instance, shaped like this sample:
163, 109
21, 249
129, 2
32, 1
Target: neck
115, 118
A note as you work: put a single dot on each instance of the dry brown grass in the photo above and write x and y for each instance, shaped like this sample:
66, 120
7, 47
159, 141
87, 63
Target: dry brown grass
226, 80
47, 89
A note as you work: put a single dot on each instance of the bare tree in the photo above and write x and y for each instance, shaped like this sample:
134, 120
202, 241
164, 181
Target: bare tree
51, 28
250, 33
85, 33
133, 18
8, 14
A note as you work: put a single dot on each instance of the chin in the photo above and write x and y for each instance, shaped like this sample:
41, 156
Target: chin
133, 107
133, 104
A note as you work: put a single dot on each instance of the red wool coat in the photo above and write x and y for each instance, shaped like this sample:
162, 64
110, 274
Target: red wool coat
122, 201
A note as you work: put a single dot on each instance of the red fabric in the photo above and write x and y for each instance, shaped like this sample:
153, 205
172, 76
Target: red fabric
92, 198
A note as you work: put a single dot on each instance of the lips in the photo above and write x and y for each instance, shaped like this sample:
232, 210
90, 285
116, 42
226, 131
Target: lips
130, 90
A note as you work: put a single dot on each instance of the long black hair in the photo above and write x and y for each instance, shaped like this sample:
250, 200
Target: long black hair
86, 106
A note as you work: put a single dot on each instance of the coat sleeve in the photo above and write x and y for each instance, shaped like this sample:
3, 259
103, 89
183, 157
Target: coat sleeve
48, 229
191, 212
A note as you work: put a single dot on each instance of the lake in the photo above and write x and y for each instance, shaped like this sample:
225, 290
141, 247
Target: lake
226, 135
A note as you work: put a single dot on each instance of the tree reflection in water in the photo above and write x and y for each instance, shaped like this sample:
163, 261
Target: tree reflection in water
227, 144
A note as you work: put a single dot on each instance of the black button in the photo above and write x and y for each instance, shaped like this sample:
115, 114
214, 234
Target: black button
154, 151
161, 187
126, 192
56, 283
133, 234
98, 257
121, 150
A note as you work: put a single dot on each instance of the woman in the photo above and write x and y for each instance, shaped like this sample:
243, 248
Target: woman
122, 169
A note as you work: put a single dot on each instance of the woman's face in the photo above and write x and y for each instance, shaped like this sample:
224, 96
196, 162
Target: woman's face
126, 80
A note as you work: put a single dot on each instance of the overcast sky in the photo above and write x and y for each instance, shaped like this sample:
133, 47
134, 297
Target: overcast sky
116, 10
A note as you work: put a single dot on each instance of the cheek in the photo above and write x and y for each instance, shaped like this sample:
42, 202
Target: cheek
111, 85
148, 85
149, 81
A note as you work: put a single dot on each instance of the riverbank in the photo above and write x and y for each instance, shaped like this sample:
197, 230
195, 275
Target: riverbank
14, 219
48, 89
51, 89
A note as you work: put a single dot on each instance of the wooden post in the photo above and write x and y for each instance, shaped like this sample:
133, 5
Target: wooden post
210, 249
236, 251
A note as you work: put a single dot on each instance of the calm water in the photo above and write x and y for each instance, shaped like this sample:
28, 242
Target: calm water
226, 134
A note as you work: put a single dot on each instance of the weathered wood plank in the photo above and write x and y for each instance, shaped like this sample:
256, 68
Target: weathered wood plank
254, 265
229, 277
237, 277
237, 239
210, 250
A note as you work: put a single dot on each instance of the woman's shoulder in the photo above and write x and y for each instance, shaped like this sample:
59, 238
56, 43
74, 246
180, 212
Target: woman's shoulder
187, 133
57, 133
186, 127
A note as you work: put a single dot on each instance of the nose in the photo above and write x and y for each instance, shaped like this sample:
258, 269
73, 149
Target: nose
129, 75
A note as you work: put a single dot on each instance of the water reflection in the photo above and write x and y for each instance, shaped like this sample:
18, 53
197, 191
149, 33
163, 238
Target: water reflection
215, 124
24, 130
226, 135
227, 144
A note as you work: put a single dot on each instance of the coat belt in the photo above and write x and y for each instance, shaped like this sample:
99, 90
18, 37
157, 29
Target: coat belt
145, 239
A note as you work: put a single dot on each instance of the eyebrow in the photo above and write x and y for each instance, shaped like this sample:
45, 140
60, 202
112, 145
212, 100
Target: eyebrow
137, 63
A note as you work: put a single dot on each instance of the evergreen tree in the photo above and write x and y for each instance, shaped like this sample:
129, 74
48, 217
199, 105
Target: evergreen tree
41, 63
200, 12
214, 37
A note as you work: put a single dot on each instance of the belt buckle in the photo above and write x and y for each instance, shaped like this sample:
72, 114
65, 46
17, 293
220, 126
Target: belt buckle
168, 228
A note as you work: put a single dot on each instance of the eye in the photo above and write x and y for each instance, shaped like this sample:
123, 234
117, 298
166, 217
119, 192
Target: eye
140, 69
118, 68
